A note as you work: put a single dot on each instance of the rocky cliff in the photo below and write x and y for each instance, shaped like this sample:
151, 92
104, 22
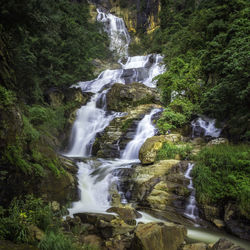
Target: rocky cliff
139, 15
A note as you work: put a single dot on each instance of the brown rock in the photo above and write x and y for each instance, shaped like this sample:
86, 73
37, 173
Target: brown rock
195, 246
93, 240
35, 233
160, 236
127, 214
225, 244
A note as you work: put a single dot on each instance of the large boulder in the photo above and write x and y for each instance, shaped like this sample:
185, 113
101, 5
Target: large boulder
152, 145
120, 96
128, 214
225, 244
160, 236
195, 246
236, 222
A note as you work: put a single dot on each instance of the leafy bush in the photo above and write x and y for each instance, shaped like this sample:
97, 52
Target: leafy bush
170, 120
56, 241
7, 97
20, 215
222, 174
170, 151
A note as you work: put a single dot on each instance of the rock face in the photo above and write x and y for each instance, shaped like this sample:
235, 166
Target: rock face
111, 232
224, 244
148, 151
160, 236
138, 15
127, 214
115, 137
120, 96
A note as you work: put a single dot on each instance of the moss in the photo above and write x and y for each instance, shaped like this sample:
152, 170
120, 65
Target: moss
126, 124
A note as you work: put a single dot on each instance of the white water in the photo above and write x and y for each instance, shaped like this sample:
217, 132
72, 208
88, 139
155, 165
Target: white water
191, 209
144, 130
117, 31
90, 120
93, 118
95, 182
205, 125
96, 177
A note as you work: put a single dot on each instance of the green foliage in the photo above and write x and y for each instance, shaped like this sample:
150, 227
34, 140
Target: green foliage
170, 151
206, 48
16, 220
53, 44
7, 97
221, 174
56, 241
127, 124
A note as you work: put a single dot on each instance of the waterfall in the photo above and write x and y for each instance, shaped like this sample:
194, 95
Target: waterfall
145, 129
117, 31
97, 177
205, 127
191, 208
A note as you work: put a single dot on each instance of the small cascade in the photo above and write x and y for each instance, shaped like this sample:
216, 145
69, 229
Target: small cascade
90, 121
191, 209
144, 130
204, 127
97, 178
117, 31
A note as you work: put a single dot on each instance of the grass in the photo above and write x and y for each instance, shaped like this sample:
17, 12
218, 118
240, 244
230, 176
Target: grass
170, 151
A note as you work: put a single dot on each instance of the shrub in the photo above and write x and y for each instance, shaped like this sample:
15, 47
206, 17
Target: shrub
222, 174
169, 151
20, 215
170, 120
56, 241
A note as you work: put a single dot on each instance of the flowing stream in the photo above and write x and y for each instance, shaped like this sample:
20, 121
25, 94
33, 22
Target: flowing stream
191, 209
96, 176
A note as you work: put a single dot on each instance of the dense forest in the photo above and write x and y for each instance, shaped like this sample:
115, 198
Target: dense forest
46, 46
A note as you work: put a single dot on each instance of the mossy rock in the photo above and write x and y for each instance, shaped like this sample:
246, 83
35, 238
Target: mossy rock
120, 97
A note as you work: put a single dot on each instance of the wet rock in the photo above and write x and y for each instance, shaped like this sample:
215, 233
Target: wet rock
7, 245
143, 174
218, 141
151, 146
120, 97
55, 206
160, 236
219, 223
211, 212
225, 244
93, 240
93, 218
61, 188
128, 214
195, 246
116, 136
35, 233
235, 222
149, 149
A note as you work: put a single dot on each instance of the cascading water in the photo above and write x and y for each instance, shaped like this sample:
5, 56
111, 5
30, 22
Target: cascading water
93, 118
94, 182
144, 130
117, 31
97, 177
191, 208
205, 127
